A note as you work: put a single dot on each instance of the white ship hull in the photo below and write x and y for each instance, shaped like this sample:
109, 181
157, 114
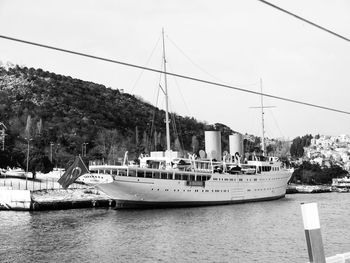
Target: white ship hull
135, 192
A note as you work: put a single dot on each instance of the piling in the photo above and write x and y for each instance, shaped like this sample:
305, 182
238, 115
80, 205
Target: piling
313, 233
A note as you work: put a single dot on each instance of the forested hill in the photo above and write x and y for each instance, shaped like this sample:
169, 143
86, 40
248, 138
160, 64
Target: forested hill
63, 113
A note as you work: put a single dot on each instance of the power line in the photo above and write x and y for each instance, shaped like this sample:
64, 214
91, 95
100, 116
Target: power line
174, 74
305, 20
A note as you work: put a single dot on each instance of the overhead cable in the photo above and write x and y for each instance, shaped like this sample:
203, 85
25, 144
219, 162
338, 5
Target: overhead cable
305, 20
174, 74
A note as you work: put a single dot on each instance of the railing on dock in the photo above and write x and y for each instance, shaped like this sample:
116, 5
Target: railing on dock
35, 185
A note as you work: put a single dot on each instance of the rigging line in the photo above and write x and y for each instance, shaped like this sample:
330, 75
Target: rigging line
176, 75
190, 60
154, 110
201, 68
153, 117
148, 60
178, 88
173, 119
305, 20
176, 132
278, 127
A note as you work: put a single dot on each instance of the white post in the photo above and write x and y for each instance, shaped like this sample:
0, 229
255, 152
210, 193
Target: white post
313, 232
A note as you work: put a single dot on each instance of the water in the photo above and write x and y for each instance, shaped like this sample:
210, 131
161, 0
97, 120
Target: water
255, 232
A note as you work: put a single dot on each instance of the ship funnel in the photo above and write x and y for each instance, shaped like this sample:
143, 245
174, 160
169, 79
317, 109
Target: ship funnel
213, 144
236, 144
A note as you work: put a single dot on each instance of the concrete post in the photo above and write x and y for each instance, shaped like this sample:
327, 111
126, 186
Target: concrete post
313, 232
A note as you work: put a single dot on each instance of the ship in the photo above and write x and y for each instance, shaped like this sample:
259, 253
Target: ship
162, 182
341, 185
164, 179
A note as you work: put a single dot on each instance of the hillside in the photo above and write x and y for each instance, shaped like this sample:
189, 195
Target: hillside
68, 116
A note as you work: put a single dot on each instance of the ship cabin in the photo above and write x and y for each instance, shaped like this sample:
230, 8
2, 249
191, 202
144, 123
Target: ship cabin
264, 163
191, 171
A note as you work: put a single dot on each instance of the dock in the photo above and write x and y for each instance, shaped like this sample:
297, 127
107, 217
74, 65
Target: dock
308, 189
70, 199
47, 194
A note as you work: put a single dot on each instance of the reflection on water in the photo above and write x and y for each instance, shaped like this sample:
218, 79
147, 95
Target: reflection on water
255, 232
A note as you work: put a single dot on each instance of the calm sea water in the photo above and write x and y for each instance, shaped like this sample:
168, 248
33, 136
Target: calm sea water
255, 232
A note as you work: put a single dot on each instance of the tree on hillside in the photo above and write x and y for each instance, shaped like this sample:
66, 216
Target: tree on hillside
177, 145
270, 149
309, 173
298, 144
39, 162
225, 133
70, 112
296, 149
195, 144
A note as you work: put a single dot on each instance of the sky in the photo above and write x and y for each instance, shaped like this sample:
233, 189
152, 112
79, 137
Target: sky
236, 42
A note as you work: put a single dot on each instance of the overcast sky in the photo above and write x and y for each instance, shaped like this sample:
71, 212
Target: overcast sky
235, 42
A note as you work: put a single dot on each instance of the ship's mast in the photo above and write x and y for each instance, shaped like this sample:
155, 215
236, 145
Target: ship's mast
262, 121
262, 107
166, 99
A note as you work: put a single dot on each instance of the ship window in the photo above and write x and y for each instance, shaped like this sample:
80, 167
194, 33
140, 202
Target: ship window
164, 176
184, 177
226, 179
132, 173
156, 175
199, 178
170, 176
148, 174
115, 172
122, 172
191, 177
215, 179
140, 173
177, 176
241, 179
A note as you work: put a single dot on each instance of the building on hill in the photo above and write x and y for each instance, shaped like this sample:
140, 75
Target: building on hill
327, 150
